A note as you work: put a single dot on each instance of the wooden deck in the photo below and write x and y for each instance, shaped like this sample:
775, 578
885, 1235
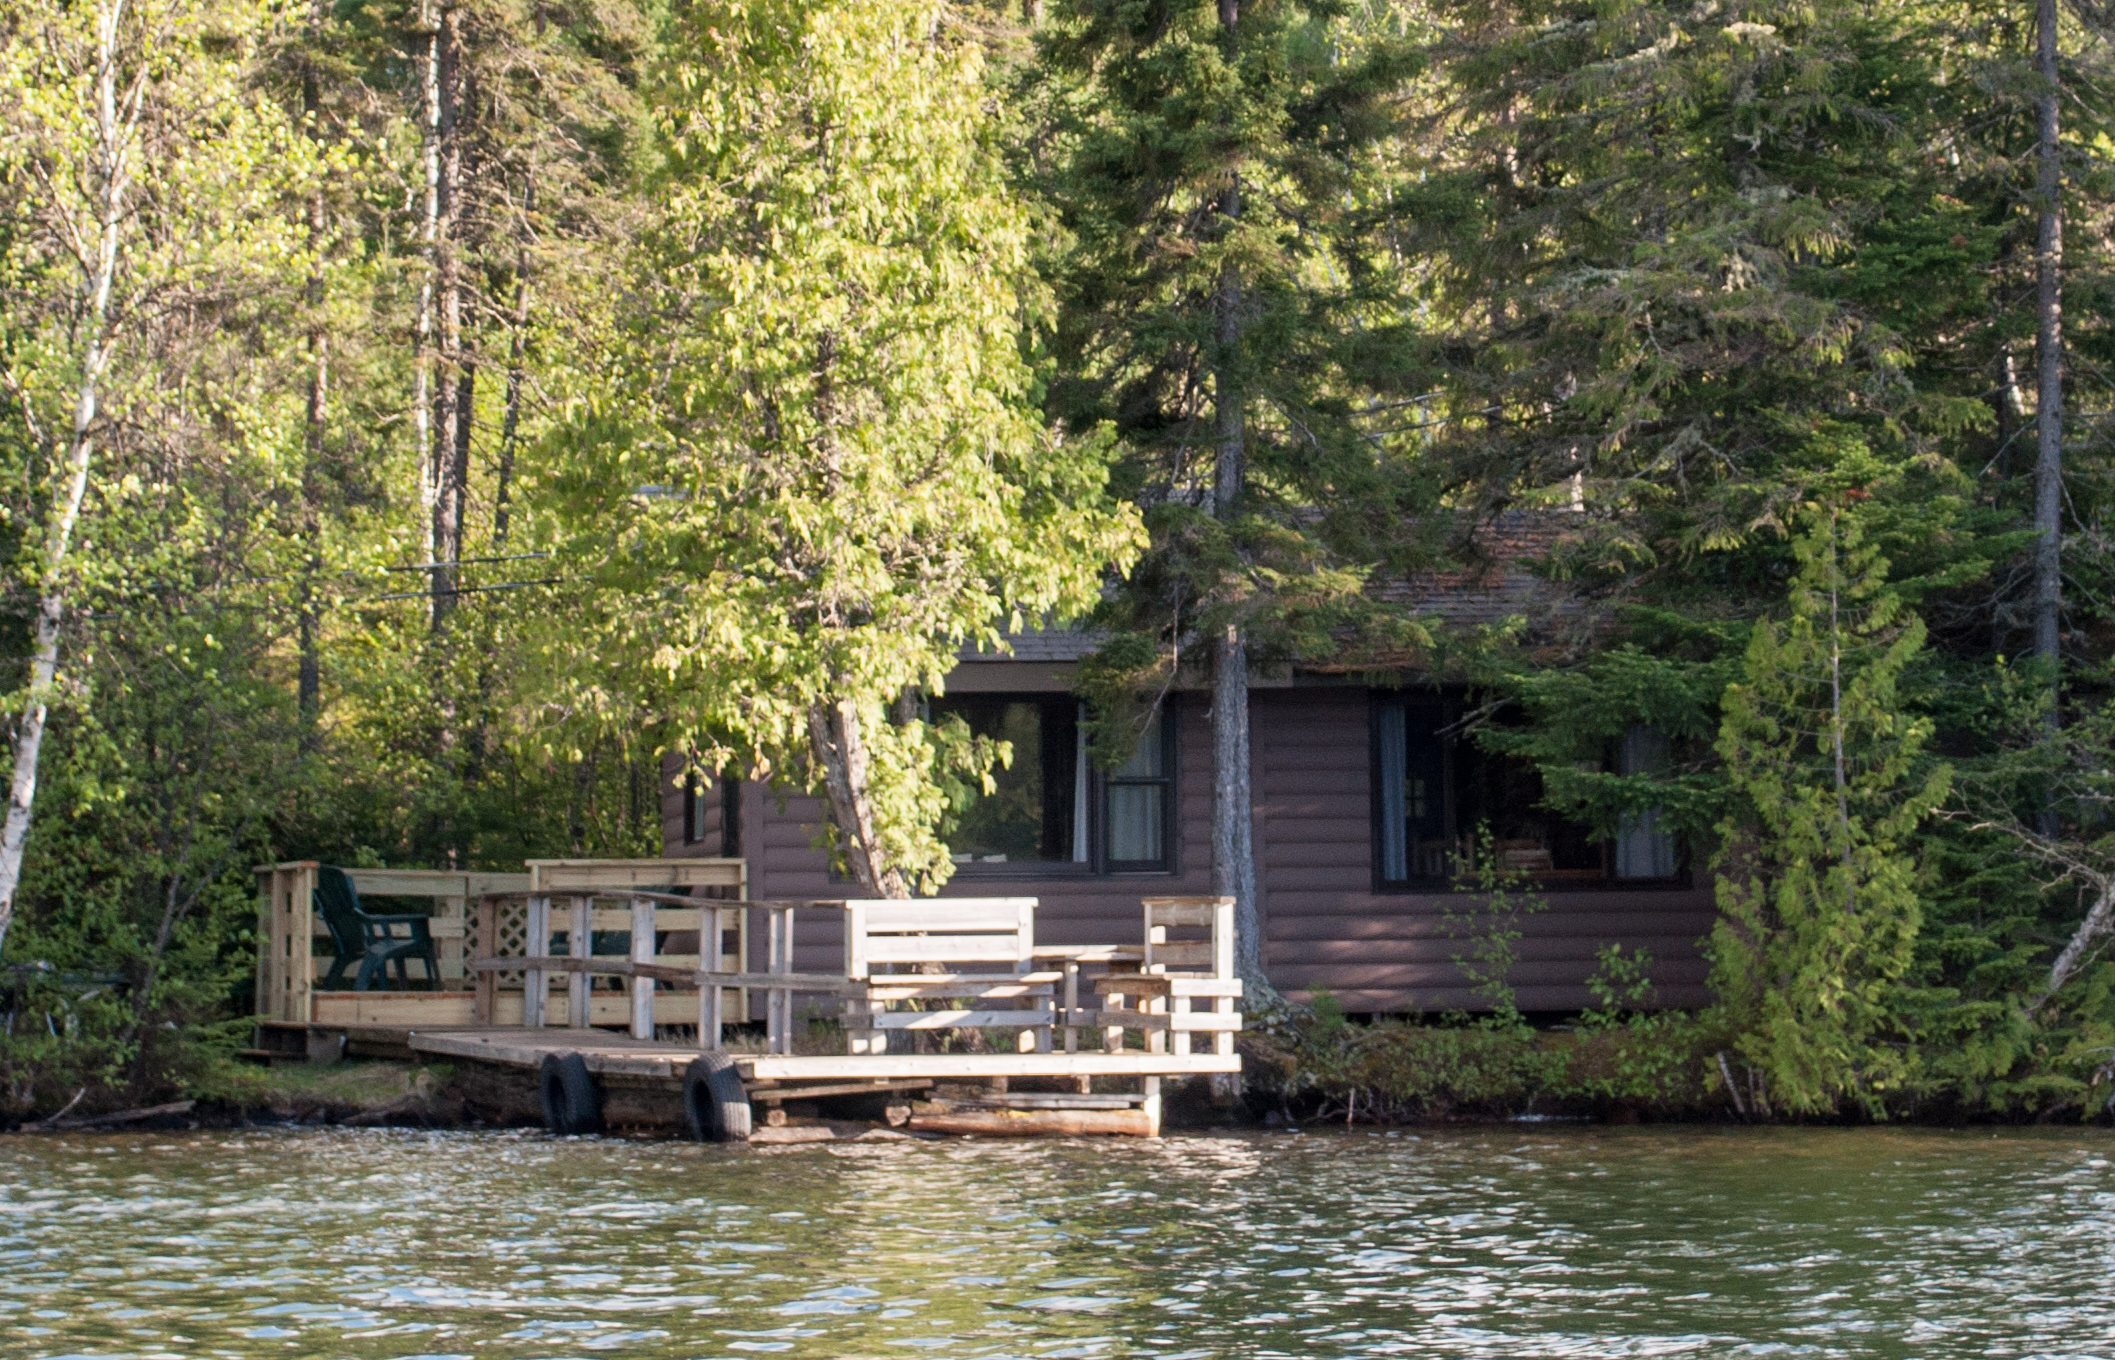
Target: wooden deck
515, 1046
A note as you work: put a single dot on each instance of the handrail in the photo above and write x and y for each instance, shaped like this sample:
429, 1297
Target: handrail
628, 894
604, 965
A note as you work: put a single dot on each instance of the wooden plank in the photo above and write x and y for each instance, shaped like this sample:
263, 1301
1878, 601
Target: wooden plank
1184, 911
1164, 984
1033, 984
939, 948
1171, 1021
434, 883
1038, 1123
962, 1019
572, 875
677, 918
953, 915
970, 1066
1181, 954
394, 1008
774, 1094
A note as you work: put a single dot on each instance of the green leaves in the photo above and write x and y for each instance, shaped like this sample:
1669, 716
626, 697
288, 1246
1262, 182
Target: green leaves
826, 372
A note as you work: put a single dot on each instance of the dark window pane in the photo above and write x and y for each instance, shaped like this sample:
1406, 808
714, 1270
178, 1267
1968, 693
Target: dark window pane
1029, 814
1413, 793
1505, 794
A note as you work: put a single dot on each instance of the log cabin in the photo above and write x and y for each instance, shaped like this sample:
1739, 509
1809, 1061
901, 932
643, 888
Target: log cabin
1360, 796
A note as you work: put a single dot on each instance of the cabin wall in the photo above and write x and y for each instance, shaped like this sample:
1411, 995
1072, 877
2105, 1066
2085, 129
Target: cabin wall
1325, 925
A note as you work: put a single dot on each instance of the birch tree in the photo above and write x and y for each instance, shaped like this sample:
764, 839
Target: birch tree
138, 175
816, 471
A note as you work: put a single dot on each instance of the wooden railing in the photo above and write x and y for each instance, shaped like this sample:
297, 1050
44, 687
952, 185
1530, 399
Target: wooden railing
482, 915
719, 980
1179, 985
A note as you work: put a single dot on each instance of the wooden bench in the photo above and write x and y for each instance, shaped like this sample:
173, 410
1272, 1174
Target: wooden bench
1189, 958
914, 951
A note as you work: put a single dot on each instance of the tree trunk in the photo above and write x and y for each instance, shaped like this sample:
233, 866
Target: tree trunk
309, 678
839, 752
429, 233
517, 368
1233, 815
114, 127
2049, 339
452, 387
2075, 951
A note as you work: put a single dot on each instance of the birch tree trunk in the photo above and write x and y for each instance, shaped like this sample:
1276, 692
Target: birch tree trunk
429, 232
2099, 919
2049, 340
308, 688
115, 123
451, 378
839, 751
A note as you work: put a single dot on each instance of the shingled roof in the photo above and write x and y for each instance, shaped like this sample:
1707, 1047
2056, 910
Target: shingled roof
1501, 584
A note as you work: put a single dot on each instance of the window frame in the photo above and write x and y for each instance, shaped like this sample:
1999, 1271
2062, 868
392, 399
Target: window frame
1448, 707
1099, 784
1098, 864
729, 789
1449, 802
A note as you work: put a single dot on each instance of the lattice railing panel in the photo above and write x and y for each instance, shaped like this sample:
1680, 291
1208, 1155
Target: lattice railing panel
512, 930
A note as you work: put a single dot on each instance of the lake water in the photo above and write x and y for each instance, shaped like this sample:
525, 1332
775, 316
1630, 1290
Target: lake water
1502, 1243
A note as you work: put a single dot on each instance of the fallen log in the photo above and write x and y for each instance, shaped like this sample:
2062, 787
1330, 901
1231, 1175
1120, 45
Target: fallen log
56, 1124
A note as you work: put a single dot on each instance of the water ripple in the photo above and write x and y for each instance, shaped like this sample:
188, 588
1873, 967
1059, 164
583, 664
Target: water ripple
397, 1245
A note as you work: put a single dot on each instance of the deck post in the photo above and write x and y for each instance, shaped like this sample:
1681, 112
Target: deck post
301, 930
1150, 1086
1072, 1005
579, 944
536, 943
642, 952
778, 1001
1223, 967
857, 1011
486, 945
711, 1019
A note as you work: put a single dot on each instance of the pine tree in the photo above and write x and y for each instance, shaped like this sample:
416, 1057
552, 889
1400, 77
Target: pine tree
1212, 163
1817, 889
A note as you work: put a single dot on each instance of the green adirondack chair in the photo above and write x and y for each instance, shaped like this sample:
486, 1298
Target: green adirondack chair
374, 942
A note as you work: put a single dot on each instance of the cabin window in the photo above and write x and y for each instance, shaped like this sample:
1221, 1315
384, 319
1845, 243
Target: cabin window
1137, 795
1433, 792
713, 806
1051, 809
1032, 813
1644, 849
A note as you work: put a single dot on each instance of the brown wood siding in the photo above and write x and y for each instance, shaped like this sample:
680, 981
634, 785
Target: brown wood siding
673, 830
1325, 926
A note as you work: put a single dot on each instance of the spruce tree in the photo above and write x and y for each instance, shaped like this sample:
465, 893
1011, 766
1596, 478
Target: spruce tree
1817, 871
